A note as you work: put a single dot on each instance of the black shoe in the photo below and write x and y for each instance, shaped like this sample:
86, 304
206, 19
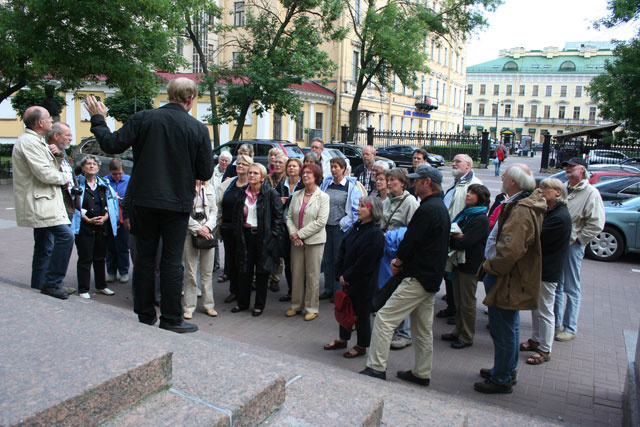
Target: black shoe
408, 376
325, 295
274, 286
150, 322
442, 314
451, 321
182, 328
256, 313
238, 309
458, 344
285, 298
55, 292
448, 337
489, 387
486, 374
381, 375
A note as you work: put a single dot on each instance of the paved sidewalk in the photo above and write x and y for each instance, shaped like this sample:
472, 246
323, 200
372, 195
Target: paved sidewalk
581, 384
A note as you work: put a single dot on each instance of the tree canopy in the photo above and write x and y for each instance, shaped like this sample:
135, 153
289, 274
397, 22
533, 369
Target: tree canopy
122, 41
122, 107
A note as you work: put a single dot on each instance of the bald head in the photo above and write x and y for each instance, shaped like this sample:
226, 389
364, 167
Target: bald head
38, 120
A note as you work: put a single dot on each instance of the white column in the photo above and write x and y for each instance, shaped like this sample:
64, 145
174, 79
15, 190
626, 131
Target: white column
312, 115
328, 122
224, 133
291, 133
264, 126
71, 114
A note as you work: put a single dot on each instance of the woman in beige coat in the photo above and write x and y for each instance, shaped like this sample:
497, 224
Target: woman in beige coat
202, 223
306, 220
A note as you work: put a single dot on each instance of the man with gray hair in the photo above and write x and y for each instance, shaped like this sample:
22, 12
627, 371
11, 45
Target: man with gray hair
59, 139
171, 149
512, 273
587, 220
364, 172
317, 147
37, 190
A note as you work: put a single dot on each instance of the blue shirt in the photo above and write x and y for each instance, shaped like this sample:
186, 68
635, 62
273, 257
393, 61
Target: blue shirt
119, 187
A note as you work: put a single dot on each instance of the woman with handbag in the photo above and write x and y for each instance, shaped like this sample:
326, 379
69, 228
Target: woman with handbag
257, 219
199, 249
357, 267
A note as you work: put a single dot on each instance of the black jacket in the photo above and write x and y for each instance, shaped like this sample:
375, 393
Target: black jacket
424, 248
171, 149
359, 259
554, 239
271, 232
476, 231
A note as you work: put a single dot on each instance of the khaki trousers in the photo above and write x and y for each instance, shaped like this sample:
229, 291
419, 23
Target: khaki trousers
409, 298
305, 274
464, 293
191, 258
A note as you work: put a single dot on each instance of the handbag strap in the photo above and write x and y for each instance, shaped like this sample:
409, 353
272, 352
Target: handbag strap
394, 211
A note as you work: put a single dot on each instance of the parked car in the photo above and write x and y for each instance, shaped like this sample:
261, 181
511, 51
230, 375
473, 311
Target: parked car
596, 175
333, 153
604, 156
631, 162
354, 154
621, 233
620, 189
614, 167
89, 145
403, 155
261, 149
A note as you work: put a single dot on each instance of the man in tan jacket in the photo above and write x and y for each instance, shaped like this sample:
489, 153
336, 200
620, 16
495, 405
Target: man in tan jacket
37, 189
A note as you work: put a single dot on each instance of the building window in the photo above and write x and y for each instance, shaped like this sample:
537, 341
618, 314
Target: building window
561, 111
356, 65
481, 109
444, 93
509, 90
534, 111
592, 113
510, 66
547, 111
534, 90
507, 110
319, 121
496, 89
520, 112
235, 59
547, 90
180, 46
277, 126
469, 89
578, 91
468, 110
439, 54
356, 12
238, 14
494, 110
567, 66
521, 90
483, 89
576, 113
300, 127
433, 49
446, 56
563, 91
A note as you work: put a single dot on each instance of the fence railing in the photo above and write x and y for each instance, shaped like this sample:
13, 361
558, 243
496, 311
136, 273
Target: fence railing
6, 169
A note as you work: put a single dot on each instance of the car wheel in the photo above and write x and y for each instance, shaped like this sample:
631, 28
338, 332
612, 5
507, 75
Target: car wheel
606, 246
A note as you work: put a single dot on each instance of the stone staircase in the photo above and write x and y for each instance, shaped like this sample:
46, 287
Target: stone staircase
79, 362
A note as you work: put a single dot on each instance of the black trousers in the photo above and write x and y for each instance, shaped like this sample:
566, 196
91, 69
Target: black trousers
150, 225
91, 243
253, 246
287, 263
362, 308
451, 302
230, 242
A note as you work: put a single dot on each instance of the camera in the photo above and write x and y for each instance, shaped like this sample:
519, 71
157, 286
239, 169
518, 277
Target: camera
76, 191
198, 216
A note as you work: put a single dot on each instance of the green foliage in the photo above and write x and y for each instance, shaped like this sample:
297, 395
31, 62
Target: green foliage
6, 150
70, 41
450, 151
620, 12
28, 97
122, 107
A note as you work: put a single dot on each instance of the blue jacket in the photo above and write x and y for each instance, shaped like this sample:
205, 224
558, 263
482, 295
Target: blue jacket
353, 198
392, 240
119, 187
112, 205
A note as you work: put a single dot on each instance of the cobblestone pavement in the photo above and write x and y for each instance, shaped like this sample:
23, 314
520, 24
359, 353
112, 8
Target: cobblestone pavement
581, 384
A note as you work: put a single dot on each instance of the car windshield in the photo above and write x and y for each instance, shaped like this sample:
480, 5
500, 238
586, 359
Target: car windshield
293, 151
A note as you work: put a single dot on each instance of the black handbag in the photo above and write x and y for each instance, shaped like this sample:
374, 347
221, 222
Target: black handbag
384, 293
200, 242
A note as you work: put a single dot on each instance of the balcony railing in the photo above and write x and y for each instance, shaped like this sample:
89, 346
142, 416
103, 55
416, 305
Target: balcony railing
536, 120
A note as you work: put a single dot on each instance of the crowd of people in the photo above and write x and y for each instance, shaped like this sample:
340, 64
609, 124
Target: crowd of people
382, 231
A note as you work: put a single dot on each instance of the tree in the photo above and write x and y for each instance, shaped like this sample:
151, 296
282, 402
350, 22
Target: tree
124, 41
122, 107
278, 47
28, 97
390, 35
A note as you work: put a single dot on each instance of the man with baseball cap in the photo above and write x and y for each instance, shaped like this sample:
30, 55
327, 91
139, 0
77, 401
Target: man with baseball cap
587, 221
420, 259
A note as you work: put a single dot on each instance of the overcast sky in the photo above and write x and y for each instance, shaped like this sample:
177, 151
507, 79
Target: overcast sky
541, 23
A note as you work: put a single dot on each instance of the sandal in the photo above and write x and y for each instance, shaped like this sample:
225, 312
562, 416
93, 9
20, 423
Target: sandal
529, 345
355, 351
538, 358
223, 278
336, 345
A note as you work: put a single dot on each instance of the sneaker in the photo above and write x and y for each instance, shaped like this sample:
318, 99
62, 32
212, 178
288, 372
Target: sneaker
124, 278
400, 343
105, 291
85, 295
558, 329
565, 336
111, 277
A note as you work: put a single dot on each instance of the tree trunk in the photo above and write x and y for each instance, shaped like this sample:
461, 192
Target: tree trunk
353, 114
243, 113
10, 90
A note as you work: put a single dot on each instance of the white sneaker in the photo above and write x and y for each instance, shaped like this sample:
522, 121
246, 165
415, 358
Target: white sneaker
85, 295
124, 278
111, 277
400, 342
105, 291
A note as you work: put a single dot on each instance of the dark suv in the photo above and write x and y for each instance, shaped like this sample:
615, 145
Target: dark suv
89, 145
353, 152
261, 149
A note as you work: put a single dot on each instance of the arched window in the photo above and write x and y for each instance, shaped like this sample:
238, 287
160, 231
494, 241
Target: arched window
567, 66
510, 66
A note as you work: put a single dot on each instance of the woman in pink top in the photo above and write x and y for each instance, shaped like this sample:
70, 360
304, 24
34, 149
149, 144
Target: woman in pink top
306, 220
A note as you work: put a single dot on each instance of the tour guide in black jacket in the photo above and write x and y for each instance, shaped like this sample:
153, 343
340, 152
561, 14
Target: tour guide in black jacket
171, 149
421, 259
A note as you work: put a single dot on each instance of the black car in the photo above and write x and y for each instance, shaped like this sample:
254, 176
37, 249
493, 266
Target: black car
261, 149
89, 145
354, 154
403, 155
620, 189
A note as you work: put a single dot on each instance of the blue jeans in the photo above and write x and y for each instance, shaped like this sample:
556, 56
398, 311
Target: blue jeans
497, 166
330, 257
51, 252
504, 327
118, 252
567, 315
